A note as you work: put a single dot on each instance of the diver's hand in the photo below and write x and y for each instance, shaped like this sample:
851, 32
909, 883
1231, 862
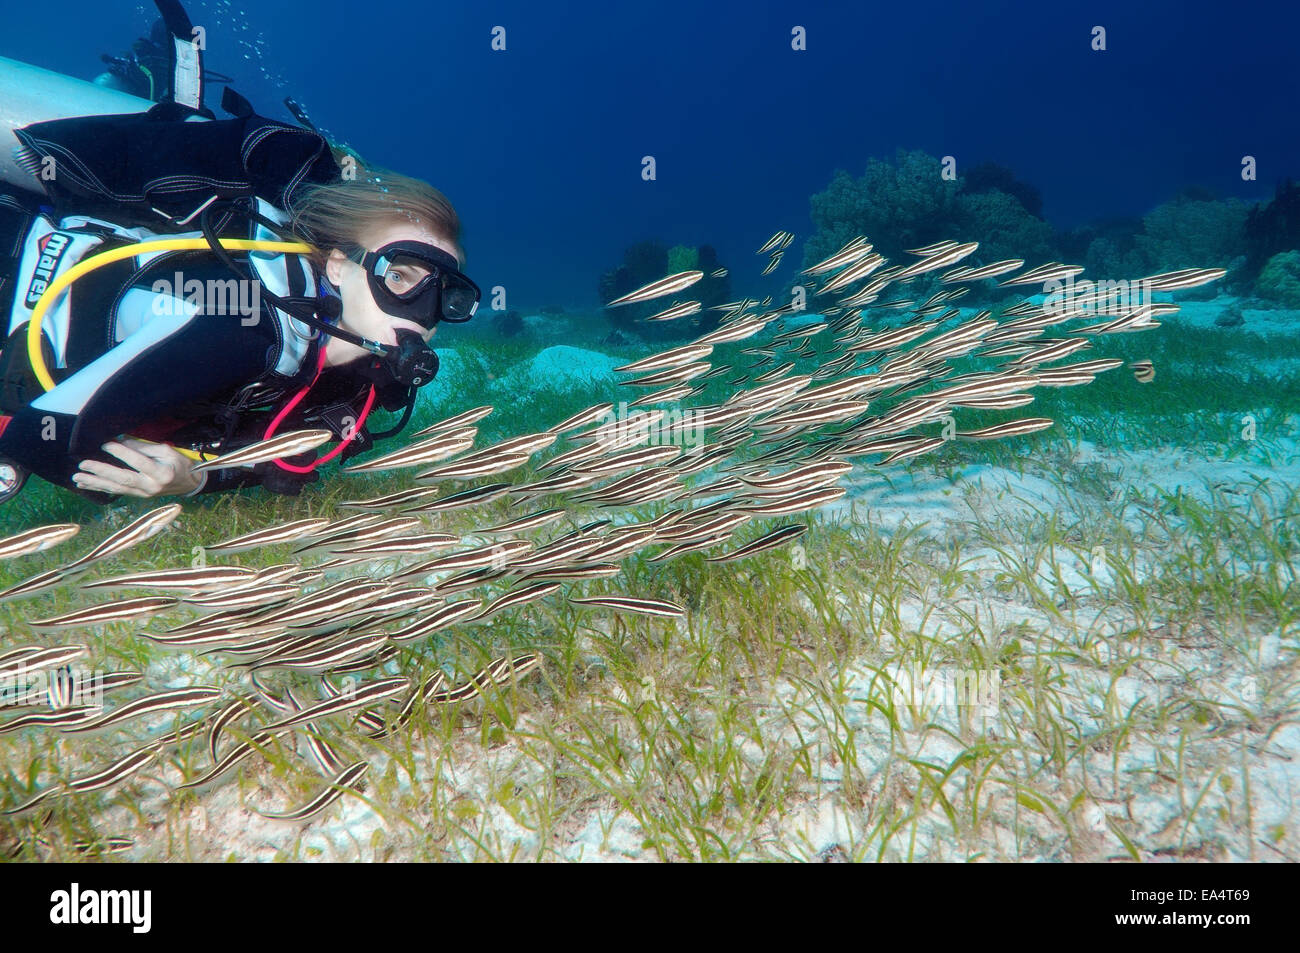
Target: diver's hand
152, 469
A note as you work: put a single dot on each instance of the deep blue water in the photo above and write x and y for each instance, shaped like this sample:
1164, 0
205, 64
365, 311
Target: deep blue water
539, 147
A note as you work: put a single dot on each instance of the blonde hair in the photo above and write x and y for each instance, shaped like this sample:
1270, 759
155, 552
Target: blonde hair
341, 214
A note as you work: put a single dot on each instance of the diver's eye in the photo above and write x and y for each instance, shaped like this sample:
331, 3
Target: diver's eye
402, 277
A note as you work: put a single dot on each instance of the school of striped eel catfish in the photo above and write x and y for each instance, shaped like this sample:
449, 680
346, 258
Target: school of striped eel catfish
779, 445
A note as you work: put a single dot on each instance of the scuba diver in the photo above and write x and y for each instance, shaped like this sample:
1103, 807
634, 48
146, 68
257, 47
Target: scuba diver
146, 69
285, 296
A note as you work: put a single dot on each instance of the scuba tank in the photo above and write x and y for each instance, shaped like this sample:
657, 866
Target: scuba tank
30, 94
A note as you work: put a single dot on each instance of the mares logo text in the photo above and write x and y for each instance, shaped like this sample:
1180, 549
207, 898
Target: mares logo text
55, 245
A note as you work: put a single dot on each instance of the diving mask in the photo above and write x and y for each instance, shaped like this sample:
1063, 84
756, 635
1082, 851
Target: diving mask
421, 283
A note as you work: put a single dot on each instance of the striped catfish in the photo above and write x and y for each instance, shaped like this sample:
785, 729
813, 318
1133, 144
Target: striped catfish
349, 779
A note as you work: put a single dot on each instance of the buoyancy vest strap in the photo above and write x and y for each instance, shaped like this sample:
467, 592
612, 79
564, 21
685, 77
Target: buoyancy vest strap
187, 78
102, 259
60, 284
211, 242
92, 305
15, 219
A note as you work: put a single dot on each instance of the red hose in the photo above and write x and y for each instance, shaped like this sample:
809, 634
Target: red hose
270, 430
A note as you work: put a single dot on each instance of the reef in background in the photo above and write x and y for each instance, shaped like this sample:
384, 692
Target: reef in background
908, 203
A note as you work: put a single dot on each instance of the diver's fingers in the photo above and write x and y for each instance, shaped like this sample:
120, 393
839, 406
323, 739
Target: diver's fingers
134, 458
148, 448
147, 478
103, 470
108, 479
164, 453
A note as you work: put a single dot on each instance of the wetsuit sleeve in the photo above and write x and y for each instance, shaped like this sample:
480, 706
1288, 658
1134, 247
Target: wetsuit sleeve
170, 361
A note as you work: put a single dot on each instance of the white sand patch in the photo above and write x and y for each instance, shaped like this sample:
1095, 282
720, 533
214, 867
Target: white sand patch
1202, 315
921, 498
1085, 663
607, 836
560, 367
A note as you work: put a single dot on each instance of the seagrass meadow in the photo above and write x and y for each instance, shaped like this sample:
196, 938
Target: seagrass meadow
1078, 643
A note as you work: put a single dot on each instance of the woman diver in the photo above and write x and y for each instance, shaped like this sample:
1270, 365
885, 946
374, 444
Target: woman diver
142, 346
122, 245
127, 237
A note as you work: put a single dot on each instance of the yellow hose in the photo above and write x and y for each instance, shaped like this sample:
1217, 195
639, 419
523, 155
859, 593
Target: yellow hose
61, 283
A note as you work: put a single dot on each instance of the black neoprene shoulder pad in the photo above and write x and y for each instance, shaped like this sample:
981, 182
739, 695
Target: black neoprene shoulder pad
134, 163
